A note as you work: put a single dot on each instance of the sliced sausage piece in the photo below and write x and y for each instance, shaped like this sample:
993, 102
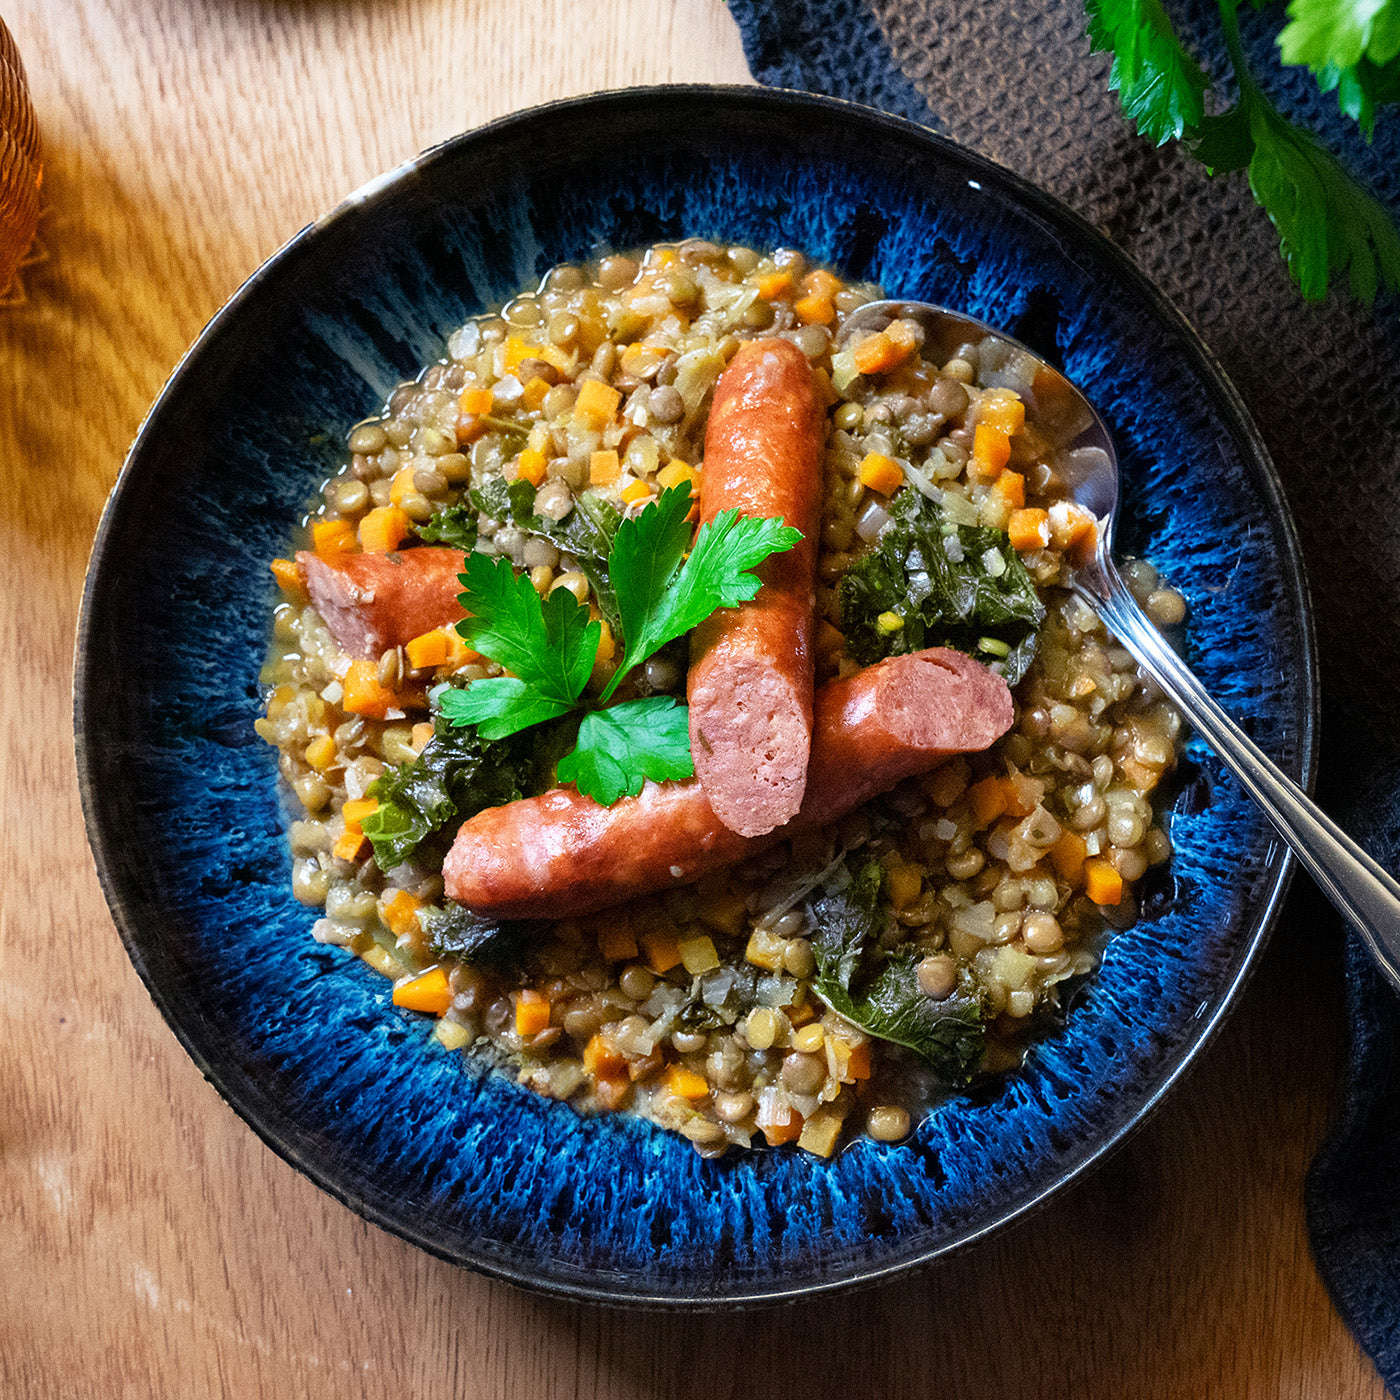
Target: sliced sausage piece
372, 602
750, 683
561, 854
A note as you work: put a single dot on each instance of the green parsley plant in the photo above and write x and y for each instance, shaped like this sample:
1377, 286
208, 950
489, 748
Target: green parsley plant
1328, 223
550, 646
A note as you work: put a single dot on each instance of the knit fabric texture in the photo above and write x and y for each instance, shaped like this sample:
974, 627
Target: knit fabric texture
1015, 80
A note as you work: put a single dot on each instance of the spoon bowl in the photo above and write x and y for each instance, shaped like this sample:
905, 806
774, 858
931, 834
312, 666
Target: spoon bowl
1082, 456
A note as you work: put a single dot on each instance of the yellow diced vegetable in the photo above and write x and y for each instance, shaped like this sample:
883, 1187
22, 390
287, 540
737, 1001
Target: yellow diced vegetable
597, 404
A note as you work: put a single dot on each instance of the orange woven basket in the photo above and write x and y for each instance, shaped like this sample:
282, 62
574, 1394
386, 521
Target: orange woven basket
21, 166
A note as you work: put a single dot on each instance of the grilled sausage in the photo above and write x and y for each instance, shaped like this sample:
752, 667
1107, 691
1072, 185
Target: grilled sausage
372, 602
750, 682
561, 854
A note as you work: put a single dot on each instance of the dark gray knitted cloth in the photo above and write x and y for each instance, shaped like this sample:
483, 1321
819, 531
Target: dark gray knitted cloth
1014, 79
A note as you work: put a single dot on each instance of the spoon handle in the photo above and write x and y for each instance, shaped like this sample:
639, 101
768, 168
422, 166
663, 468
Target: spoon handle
1355, 883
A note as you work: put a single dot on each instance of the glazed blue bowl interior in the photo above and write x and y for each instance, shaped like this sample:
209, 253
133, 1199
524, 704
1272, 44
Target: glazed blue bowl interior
182, 799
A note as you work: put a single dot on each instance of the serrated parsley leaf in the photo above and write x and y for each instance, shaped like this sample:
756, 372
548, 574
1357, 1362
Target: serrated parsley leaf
619, 748
661, 598
550, 645
1340, 33
500, 706
1327, 222
1160, 85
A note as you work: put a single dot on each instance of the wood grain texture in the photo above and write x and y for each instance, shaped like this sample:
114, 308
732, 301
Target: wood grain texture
150, 1246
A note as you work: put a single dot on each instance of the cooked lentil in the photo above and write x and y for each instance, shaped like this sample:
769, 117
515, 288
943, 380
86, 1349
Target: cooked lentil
1002, 898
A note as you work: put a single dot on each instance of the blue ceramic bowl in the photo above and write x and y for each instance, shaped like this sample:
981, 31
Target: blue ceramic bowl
181, 799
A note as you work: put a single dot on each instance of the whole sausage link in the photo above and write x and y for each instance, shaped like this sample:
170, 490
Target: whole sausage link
561, 854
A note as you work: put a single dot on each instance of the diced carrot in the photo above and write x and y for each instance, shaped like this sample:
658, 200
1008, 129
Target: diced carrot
597, 404
1073, 530
991, 449
859, 1065
616, 943
401, 485
686, 1083
332, 538
400, 913
429, 992
989, 799
886, 349
365, 696
1029, 529
677, 473
356, 809
1004, 411
1011, 487
422, 732
430, 649
779, 1133
289, 579
776, 286
603, 468
531, 1013
662, 949
320, 752
636, 491
535, 391
821, 283
1067, 856
469, 428
530, 465
350, 845
1102, 883
601, 1060
383, 529
814, 310
441, 647
476, 401
881, 473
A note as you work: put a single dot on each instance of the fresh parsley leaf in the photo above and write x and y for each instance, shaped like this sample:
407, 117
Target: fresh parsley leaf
501, 706
1327, 223
1160, 85
1361, 89
879, 990
620, 747
929, 583
659, 596
1339, 33
549, 645
452, 525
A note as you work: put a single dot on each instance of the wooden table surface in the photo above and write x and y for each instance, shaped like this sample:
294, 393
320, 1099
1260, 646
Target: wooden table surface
150, 1245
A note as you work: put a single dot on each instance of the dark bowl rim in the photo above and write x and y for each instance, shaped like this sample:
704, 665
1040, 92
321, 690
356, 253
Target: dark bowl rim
1017, 190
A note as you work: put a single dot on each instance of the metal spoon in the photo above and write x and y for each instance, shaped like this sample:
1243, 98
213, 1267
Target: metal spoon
1086, 461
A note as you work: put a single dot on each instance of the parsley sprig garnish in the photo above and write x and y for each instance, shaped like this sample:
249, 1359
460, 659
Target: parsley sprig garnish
1328, 223
550, 646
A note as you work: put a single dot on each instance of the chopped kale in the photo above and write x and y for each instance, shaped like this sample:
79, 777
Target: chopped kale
452, 525
586, 532
879, 990
929, 582
453, 931
457, 775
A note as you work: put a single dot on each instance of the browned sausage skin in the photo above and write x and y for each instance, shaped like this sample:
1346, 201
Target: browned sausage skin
561, 854
371, 602
750, 683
